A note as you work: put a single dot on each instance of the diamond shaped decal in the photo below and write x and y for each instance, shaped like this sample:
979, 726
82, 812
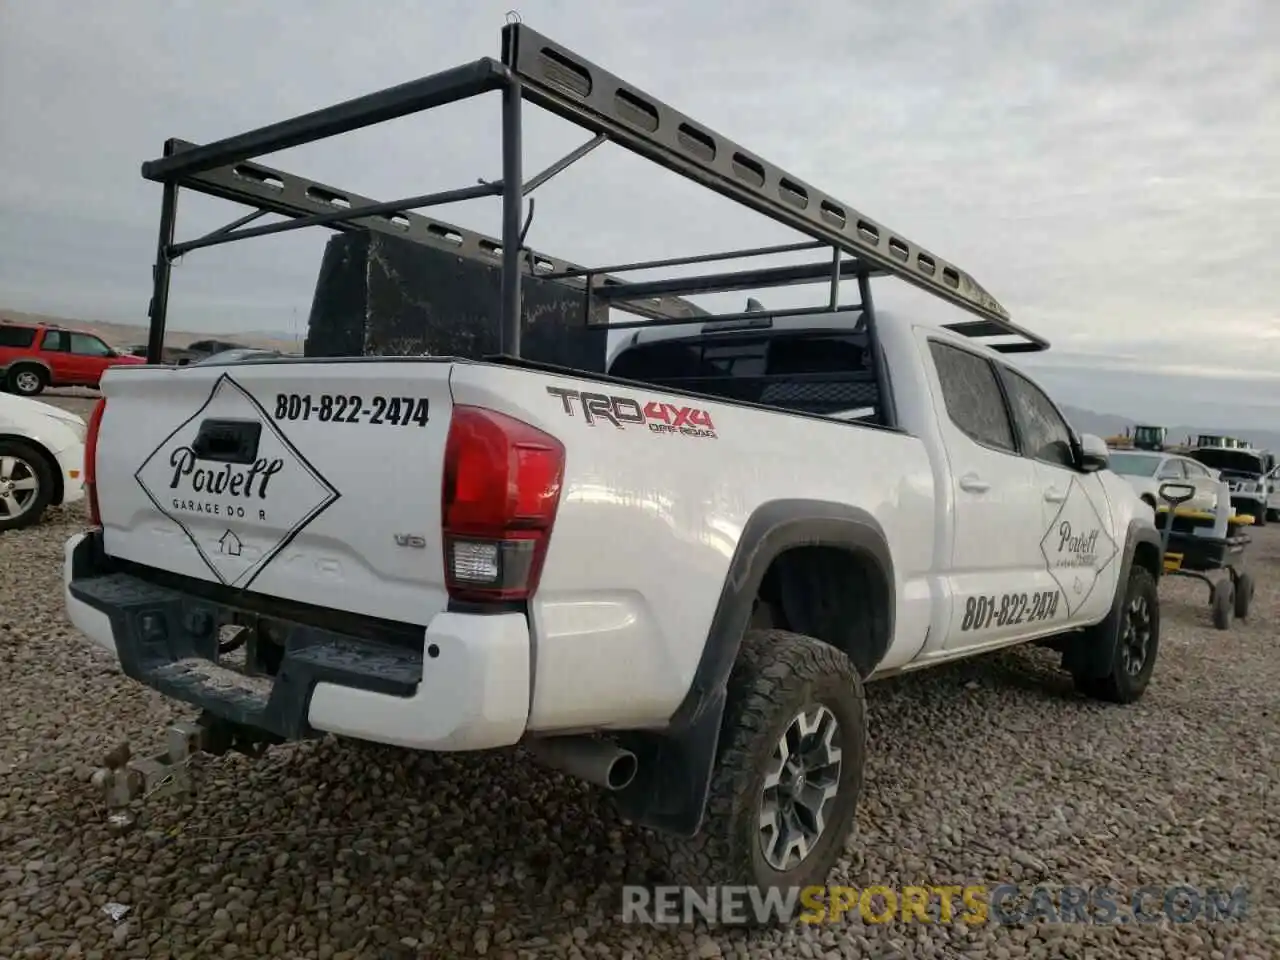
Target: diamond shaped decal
238, 511
1077, 547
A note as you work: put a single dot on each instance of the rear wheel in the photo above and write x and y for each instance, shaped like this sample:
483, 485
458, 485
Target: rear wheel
788, 770
1135, 640
27, 380
26, 485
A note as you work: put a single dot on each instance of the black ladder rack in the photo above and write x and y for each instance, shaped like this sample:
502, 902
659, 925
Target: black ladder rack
535, 69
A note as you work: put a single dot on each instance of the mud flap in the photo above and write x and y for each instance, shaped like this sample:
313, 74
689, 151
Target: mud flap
670, 790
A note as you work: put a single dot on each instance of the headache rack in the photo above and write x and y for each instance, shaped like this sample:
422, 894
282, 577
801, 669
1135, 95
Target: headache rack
535, 69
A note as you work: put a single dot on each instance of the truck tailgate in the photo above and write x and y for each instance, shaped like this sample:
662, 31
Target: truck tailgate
318, 482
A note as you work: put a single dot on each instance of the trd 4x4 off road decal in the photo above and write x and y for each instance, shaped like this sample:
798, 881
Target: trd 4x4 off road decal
238, 516
658, 415
1077, 546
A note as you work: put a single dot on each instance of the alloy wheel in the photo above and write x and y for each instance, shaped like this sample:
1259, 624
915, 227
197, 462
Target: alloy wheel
19, 487
1135, 643
800, 788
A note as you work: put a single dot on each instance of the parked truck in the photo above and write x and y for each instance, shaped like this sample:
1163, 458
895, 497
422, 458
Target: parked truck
673, 579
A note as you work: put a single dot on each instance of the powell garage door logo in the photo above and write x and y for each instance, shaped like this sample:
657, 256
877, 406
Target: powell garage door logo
1077, 547
238, 516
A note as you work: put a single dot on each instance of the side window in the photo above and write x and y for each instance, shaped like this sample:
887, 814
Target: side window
972, 395
1173, 470
1193, 469
19, 337
1045, 435
57, 340
86, 345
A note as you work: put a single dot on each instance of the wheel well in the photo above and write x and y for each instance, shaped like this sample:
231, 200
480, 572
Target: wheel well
47, 457
23, 364
1147, 555
837, 595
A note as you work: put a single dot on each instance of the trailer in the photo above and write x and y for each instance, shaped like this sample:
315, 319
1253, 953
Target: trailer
1209, 547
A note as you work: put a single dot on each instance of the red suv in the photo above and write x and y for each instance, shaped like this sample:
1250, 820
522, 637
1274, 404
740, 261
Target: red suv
38, 355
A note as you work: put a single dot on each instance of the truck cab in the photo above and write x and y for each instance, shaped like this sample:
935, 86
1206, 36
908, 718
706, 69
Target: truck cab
1250, 475
1026, 522
1146, 437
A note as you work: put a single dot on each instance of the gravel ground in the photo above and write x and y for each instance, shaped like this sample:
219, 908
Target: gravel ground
991, 771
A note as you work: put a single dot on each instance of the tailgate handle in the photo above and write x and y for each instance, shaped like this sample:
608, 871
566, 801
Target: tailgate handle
228, 441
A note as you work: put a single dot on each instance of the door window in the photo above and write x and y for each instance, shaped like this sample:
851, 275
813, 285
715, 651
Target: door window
1045, 435
87, 345
1172, 470
972, 395
56, 340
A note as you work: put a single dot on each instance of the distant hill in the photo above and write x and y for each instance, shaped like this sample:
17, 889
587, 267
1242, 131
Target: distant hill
128, 335
1107, 424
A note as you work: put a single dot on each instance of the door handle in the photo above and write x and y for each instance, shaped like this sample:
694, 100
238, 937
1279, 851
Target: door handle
974, 483
1054, 495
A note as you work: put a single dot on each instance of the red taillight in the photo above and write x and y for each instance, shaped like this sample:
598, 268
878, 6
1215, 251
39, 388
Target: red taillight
91, 460
501, 489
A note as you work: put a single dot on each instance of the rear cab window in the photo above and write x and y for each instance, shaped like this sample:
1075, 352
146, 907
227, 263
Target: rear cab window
828, 373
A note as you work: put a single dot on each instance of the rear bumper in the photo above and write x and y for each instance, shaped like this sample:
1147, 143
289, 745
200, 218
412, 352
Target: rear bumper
465, 686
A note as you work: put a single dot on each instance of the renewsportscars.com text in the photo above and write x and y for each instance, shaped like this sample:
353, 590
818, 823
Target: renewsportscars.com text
974, 904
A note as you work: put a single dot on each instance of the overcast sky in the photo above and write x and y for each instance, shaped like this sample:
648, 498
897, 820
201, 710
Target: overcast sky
1110, 171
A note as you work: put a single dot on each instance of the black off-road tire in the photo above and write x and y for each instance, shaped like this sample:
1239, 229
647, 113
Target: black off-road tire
26, 379
777, 676
1118, 684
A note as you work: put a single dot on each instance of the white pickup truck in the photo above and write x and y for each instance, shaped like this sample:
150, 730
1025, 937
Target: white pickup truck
672, 580
450, 555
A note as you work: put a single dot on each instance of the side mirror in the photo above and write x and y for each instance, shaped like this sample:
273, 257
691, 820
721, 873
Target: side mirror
1094, 455
1175, 492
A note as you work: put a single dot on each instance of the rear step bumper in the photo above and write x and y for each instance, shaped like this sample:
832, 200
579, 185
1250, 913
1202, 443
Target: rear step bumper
465, 688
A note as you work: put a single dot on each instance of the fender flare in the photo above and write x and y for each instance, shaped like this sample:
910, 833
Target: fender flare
773, 528
28, 362
676, 764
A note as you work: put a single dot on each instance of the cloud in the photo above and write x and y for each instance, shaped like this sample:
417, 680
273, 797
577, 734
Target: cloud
1111, 172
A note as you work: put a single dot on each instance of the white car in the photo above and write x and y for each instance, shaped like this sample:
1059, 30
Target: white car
41, 459
1147, 470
